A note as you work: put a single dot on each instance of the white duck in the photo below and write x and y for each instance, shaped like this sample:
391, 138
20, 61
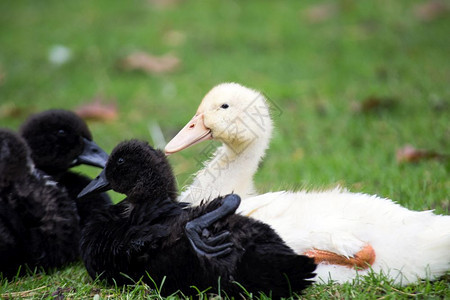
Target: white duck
347, 233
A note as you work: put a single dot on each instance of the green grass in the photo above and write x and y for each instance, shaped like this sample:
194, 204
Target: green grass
314, 73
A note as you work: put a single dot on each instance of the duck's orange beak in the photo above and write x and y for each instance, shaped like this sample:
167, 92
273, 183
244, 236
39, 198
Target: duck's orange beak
194, 132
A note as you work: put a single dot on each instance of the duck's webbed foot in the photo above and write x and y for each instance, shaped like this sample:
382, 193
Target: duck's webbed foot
361, 260
205, 244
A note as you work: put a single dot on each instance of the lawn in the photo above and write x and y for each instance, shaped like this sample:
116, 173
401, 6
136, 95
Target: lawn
350, 82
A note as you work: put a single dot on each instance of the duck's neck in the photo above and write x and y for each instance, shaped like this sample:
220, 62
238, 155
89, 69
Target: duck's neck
231, 170
151, 209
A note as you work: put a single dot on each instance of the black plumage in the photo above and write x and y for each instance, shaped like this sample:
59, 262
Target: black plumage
146, 232
38, 220
59, 140
40, 215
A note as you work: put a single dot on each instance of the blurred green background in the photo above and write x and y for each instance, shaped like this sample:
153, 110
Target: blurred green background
350, 82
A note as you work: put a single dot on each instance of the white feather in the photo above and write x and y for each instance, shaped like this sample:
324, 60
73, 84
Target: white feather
409, 245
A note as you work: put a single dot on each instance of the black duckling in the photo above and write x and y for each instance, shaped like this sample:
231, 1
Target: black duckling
38, 221
59, 140
14, 157
148, 233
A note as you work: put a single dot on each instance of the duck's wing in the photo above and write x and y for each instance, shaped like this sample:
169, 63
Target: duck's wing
307, 227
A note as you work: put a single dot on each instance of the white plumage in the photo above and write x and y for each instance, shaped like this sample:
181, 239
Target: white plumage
408, 245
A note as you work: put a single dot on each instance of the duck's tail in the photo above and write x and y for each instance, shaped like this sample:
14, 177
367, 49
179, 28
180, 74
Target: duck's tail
434, 242
419, 250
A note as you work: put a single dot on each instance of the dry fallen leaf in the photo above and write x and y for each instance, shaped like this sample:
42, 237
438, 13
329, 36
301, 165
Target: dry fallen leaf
373, 104
430, 10
409, 154
149, 63
164, 3
98, 110
320, 12
11, 110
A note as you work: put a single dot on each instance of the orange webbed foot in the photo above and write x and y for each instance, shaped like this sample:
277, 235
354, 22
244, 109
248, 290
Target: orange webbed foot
363, 259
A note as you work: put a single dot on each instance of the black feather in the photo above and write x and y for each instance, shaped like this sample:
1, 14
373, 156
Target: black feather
56, 139
145, 233
38, 221
40, 217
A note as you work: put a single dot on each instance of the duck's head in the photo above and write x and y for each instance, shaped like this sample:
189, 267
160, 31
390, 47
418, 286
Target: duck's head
137, 170
14, 157
230, 113
59, 139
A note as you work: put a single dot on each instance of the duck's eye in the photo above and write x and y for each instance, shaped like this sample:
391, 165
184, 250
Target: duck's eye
61, 132
120, 161
224, 106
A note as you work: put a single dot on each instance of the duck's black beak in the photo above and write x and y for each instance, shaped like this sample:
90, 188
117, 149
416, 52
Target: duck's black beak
98, 185
92, 155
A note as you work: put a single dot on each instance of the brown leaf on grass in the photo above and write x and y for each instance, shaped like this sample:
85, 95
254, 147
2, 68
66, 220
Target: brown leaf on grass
164, 3
11, 110
319, 13
409, 154
430, 10
374, 104
98, 110
149, 63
